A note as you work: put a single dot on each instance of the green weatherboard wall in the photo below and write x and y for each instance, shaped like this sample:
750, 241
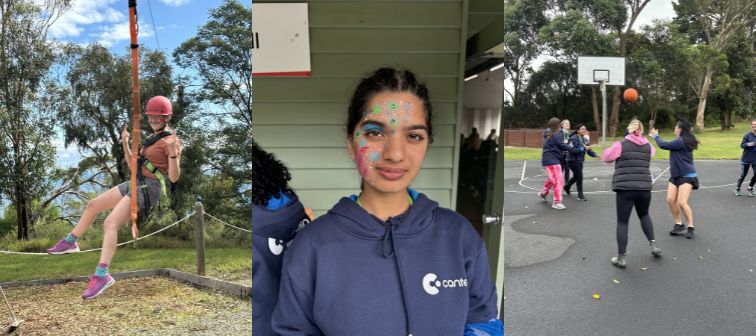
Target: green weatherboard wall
301, 119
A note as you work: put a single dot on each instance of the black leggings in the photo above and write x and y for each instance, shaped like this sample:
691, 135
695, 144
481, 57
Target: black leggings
744, 172
577, 178
565, 170
626, 199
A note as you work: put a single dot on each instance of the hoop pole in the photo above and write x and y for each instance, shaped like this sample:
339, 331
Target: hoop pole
602, 85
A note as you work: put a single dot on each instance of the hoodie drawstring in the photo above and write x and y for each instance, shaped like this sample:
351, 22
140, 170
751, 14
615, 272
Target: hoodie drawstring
390, 235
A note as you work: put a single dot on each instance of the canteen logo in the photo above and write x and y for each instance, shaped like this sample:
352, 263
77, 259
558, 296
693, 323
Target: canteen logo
432, 285
276, 246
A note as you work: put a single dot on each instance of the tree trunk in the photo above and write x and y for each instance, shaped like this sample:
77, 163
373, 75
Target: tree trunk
704, 93
614, 119
595, 103
22, 214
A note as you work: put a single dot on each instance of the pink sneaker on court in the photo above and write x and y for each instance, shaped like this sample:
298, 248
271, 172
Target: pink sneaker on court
97, 285
63, 247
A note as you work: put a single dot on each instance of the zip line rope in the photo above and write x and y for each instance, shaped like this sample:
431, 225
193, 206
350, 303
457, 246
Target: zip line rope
226, 224
138, 239
120, 244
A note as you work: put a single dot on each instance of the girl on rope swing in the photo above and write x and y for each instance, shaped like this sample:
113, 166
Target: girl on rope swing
159, 160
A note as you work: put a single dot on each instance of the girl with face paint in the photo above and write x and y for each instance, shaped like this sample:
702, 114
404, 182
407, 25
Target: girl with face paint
388, 261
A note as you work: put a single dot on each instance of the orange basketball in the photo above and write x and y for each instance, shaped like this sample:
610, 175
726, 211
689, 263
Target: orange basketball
630, 95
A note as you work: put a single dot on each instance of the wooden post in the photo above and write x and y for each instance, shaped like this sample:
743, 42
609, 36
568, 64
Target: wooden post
199, 231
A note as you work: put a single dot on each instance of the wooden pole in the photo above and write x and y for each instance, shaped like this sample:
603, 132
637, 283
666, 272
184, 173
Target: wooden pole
200, 235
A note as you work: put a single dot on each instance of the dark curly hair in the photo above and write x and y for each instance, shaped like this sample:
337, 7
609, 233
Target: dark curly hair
269, 176
686, 134
387, 80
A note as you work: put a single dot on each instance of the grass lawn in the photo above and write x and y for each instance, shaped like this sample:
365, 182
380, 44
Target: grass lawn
715, 145
229, 263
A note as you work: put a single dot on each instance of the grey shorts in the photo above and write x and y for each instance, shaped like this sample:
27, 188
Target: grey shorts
147, 197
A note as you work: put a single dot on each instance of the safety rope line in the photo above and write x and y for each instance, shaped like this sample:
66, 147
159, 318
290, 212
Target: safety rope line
224, 223
124, 243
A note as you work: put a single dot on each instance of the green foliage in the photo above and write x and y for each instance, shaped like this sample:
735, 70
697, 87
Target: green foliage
221, 53
26, 99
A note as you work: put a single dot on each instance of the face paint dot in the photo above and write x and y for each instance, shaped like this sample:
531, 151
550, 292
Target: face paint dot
363, 143
358, 133
392, 106
376, 109
407, 106
373, 157
393, 122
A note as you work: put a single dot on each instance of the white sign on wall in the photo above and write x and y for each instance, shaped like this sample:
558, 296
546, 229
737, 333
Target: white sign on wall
281, 39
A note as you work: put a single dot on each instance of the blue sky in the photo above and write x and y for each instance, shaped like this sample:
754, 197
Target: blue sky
107, 22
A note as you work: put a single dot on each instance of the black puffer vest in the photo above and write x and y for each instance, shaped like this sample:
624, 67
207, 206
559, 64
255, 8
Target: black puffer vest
631, 169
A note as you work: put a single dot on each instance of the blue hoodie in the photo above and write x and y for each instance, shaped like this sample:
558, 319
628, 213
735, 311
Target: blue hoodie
749, 153
680, 157
273, 226
553, 146
424, 272
577, 150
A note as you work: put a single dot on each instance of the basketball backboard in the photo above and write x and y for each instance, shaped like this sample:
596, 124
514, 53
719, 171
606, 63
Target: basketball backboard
592, 69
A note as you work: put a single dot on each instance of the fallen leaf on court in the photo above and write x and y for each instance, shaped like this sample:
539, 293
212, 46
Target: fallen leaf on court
583, 258
534, 222
700, 257
750, 270
615, 281
596, 296
526, 207
709, 250
644, 268
674, 258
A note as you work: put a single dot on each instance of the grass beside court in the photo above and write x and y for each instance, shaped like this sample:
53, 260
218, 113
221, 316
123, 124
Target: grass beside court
231, 264
715, 145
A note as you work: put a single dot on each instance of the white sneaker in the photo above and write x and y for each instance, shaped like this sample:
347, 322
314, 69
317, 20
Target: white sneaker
558, 206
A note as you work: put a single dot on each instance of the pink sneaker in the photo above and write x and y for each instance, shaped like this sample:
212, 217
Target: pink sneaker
97, 285
63, 247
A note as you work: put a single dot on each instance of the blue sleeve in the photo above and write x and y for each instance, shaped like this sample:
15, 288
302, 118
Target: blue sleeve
293, 314
560, 142
576, 144
491, 328
744, 143
483, 307
676, 144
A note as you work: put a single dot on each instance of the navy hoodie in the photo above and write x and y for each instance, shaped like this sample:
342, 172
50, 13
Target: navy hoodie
424, 273
272, 229
749, 153
577, 152
553, 146
680, 156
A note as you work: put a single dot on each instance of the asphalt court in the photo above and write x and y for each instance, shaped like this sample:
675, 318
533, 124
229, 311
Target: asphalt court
556, 260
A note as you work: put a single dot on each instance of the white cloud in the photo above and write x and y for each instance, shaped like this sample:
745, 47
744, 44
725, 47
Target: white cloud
83, 13
110, 35
175, 3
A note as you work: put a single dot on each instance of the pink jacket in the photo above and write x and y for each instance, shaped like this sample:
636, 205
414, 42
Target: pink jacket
612, 153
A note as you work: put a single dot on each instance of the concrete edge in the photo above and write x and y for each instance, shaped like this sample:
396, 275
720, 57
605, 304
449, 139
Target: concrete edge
198, 280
